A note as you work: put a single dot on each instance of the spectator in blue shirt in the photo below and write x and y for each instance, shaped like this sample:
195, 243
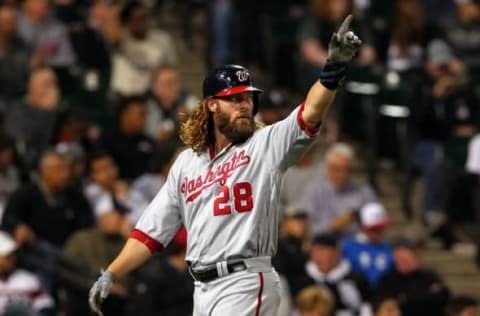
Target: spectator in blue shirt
367, 252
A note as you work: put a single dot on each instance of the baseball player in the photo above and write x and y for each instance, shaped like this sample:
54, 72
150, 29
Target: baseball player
224, 190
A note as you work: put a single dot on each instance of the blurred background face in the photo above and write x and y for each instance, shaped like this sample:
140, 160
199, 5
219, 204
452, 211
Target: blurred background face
7, 263
6, 157
104, 172
339, 9
338, 171
296, 226
325, 257
166, 86
137, 23
55, 173
100, 13
389, 308
134, 118
469, 12
374, 235
406, 260
111, 222
470, 311
318, 310
36, 9
8, 22
43, 88
44, 79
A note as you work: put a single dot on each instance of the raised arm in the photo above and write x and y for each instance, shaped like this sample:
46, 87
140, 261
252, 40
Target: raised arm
342, 48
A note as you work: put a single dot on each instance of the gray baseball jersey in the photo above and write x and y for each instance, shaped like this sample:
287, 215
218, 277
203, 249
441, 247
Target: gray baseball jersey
228, 203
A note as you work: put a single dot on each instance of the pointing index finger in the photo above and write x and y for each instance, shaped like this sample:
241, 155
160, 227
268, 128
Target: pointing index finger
343, 29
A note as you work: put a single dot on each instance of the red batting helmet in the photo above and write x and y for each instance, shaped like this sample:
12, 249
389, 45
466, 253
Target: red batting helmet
228, 80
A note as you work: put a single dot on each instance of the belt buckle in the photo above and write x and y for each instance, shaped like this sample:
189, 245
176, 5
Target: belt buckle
238, 266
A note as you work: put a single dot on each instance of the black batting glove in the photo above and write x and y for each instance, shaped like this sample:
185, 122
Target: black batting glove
342, 48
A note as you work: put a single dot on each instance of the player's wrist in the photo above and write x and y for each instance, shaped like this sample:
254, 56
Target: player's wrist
108, 275
333, 74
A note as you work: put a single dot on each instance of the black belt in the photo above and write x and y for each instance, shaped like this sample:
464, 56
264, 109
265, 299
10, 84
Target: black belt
211, 273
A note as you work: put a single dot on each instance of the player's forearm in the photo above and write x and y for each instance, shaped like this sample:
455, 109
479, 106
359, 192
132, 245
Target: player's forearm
133, 255
317, 104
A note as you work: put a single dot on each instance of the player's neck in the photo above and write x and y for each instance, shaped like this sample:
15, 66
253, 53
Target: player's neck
220, 142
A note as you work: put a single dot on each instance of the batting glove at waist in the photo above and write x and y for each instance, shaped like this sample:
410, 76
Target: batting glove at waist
100, 290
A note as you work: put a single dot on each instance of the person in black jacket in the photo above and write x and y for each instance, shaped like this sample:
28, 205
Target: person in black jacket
129, 146
292, 252
47, 209
350, 290
418, 290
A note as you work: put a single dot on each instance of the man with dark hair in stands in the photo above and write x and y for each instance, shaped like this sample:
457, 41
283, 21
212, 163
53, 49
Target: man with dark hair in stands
350, 290
419, 291
106, 192
129, 146
47, 209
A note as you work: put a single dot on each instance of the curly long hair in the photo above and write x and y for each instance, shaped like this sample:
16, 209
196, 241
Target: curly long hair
197, 131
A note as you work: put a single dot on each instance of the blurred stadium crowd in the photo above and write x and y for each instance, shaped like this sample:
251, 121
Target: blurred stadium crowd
91, 100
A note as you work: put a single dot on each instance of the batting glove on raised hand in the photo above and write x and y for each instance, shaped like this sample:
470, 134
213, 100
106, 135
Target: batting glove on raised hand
342, 48
100, 290
344, 44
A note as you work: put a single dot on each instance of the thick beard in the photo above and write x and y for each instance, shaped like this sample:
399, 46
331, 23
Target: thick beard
236, 132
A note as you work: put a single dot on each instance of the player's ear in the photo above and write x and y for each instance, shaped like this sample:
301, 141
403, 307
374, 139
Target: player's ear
211, 104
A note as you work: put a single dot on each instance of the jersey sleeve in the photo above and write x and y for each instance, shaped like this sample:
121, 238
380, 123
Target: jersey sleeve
161, 219
289, 139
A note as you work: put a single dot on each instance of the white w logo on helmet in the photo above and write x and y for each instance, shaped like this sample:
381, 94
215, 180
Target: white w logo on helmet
242, 75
